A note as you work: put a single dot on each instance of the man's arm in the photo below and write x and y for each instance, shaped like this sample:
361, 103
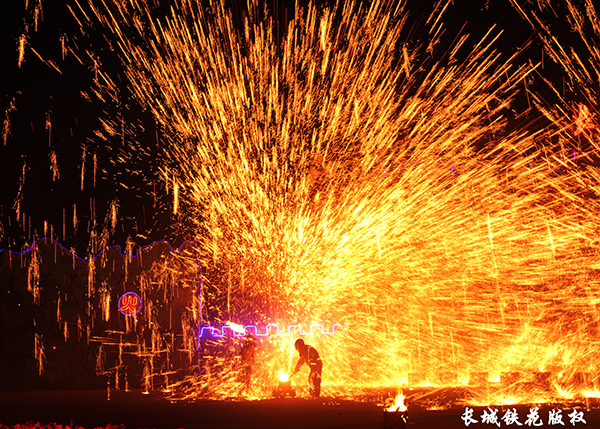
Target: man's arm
299, 364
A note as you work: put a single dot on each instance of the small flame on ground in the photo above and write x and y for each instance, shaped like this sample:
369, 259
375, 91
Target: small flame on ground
283, 376
398, 404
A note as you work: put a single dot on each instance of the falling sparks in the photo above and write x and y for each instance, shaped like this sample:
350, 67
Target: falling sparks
49, 127
54, 166
82, 175
33, 278
356, 189
105, 301
37, 14
17, 202
6, 125
65, 331
21, 49
100, 359
79, 328
63, 46
114, 209
39, 353
584, 121
58, 310
95, 159
175, 197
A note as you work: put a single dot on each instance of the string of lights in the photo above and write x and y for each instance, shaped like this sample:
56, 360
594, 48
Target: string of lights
268, 330
123, 254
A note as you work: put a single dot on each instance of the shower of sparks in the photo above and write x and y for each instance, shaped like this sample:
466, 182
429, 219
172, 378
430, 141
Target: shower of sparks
582, 67
337, 182
334, 176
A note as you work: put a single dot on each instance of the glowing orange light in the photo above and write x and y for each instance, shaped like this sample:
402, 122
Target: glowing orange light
283, 376
484, 246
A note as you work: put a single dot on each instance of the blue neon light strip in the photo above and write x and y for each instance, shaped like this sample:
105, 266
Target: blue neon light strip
123, 254
267, 331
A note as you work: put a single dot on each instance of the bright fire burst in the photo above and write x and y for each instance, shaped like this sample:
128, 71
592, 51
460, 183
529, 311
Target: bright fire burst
332, 178
283, 376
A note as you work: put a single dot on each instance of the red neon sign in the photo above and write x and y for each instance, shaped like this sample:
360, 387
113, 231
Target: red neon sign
130, 303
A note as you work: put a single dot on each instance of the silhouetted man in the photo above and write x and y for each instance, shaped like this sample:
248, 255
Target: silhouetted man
248, 355
310, 356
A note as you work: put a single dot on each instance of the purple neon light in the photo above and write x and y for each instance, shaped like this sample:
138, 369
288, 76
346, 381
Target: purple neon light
123, 254
220, 333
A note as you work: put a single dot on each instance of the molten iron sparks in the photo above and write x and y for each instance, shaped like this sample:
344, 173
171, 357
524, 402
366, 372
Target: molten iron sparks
329, 184
336, 186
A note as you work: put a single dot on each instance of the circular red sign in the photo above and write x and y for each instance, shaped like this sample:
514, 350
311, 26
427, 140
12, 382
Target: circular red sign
130, 303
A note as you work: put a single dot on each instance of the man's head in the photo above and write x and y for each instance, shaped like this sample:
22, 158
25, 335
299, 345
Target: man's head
299, 344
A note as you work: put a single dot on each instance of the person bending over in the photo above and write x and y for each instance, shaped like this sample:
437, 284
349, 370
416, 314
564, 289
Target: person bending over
310, 356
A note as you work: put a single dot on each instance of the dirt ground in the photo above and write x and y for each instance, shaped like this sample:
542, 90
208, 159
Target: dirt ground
91, 409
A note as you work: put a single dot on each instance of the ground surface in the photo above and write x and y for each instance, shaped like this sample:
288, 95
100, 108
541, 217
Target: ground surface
91, 409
